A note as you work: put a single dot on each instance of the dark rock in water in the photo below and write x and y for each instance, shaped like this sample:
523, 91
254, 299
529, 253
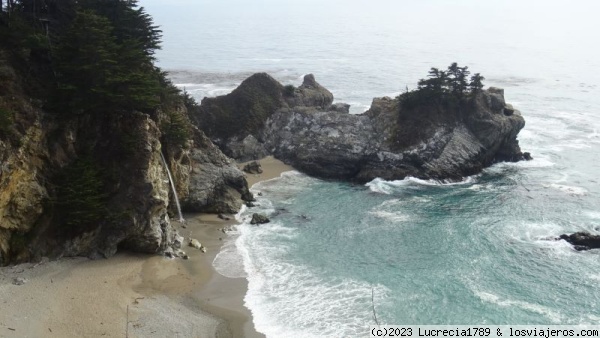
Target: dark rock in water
253, 167
304, 217
250, 204
280, 211
582, 240
259, 219
248, 197
527, 156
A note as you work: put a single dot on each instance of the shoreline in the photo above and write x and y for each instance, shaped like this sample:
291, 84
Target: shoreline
227, 294
133, 295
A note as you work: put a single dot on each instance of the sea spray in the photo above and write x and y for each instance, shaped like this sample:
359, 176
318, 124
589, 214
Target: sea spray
162, 157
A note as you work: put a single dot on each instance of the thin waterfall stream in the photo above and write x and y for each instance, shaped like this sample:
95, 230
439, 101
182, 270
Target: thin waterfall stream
181, 220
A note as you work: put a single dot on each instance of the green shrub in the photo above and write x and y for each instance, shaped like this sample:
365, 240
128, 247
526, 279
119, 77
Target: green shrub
177, 130
289, 90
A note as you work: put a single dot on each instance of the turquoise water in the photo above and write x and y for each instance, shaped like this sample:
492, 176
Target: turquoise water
478, 252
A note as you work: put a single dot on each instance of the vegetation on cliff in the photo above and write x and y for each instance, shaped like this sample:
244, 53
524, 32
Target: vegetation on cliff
450, 87
80, 91
438, 100
243, 111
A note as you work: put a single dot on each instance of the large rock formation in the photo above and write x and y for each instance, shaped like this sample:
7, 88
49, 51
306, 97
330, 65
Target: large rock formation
216, 184
122, 150
236, 121
431, 140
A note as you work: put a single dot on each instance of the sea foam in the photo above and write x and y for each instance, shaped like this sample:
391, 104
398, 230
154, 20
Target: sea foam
289, 299
382, 186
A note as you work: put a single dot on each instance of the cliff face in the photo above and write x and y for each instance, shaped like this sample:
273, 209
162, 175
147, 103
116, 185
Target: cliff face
389, 141
38, 152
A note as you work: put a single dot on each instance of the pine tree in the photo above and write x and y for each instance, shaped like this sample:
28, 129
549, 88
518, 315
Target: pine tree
476, 83
86, 63
457, 79
131, 23
97, 73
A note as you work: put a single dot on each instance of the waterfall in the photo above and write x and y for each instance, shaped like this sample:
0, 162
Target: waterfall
181, 220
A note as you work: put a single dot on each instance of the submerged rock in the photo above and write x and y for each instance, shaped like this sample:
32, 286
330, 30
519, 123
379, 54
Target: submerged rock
582, 240
259, 219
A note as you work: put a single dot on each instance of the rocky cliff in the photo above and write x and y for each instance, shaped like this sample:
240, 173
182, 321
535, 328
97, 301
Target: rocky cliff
390, 141
88, 185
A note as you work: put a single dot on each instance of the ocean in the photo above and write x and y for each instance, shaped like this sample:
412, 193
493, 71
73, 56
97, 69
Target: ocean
479, 251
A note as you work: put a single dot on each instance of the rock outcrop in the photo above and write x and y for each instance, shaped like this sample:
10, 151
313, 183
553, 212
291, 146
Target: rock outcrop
259, 219
236, 121
216, 184
123, 150
390, 141
582, 240
253, 167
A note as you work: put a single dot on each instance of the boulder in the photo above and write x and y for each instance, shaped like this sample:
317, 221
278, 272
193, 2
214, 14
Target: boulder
311, 94
19, 281
245, 149
340, 108
194, 243
259, 219
582, 240
253, 167
223, 217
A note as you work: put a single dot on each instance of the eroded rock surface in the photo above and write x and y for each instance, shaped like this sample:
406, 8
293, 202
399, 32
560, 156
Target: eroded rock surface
303, 128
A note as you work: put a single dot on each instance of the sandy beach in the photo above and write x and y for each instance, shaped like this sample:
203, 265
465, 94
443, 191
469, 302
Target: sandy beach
132, 295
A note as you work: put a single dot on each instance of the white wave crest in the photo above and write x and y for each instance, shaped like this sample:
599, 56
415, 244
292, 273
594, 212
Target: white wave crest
593, 214
571, 190
228, 262
389, 216
387, 187
488, 297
